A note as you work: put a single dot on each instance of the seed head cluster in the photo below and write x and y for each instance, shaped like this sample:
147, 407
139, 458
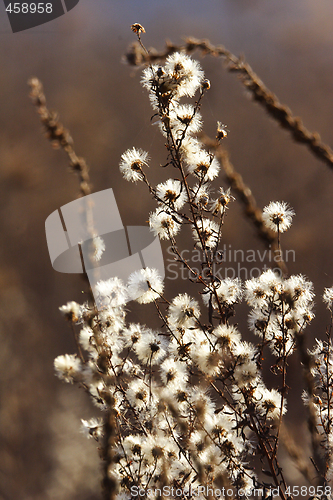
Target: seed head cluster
190, 402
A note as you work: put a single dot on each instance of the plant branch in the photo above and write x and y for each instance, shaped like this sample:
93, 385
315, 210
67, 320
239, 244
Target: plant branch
251, 209
58, 135
260, 93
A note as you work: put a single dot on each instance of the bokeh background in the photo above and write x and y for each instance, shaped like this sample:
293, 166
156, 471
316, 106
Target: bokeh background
78, 57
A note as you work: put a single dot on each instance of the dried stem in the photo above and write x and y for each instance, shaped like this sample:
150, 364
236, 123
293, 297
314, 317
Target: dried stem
61, 138
309, 380
58, 135
108, 454
251, 209
295, 452
260, 93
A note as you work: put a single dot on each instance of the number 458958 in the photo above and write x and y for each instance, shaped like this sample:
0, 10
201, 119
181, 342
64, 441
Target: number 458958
304, 491
26, 8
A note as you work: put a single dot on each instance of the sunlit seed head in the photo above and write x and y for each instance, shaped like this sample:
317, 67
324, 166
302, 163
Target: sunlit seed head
277, 216
328, 297
132, 163
164, 224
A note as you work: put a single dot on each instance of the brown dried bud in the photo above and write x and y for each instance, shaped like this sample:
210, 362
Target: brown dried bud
222, 131
138, 28
205, 85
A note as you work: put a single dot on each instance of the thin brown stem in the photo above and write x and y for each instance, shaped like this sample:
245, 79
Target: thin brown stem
110, 485
58, 135
246, 197
269, 458
260, 93
307, 363
295, 453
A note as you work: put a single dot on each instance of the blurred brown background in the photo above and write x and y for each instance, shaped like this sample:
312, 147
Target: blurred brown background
78, 58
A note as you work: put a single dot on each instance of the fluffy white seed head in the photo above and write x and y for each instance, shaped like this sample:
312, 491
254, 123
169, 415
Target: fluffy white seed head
328, 297
245, 373
209, 233
278, 216
269, 402
171, 193
186, 72
203, 165
132, 163
111, 293
86, 339
227, 336
200, 195
138, 393
68, 367
150, 348
184, 120
145, 285
183, 311
71, 311
164, 224
229, 292
174, 374
93, 428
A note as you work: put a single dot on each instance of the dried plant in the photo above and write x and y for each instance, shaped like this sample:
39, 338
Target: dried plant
58, 135
260, 93
186, 408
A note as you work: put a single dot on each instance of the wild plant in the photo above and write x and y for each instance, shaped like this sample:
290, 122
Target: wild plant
185, 410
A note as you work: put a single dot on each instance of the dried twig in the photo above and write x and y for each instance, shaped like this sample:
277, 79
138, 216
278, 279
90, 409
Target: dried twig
110, 484
251, 209
58, 135
61, 138
295, 453
318, 458
280, 112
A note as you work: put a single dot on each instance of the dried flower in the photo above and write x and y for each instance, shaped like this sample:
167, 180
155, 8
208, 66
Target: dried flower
145, 285
67, 367
278, 216
71, 311
172, 193
328, 297
190, 401
221, 203
205, 84
138, 28
132, 162
221, 131
164, 224
99, 248
209, 233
